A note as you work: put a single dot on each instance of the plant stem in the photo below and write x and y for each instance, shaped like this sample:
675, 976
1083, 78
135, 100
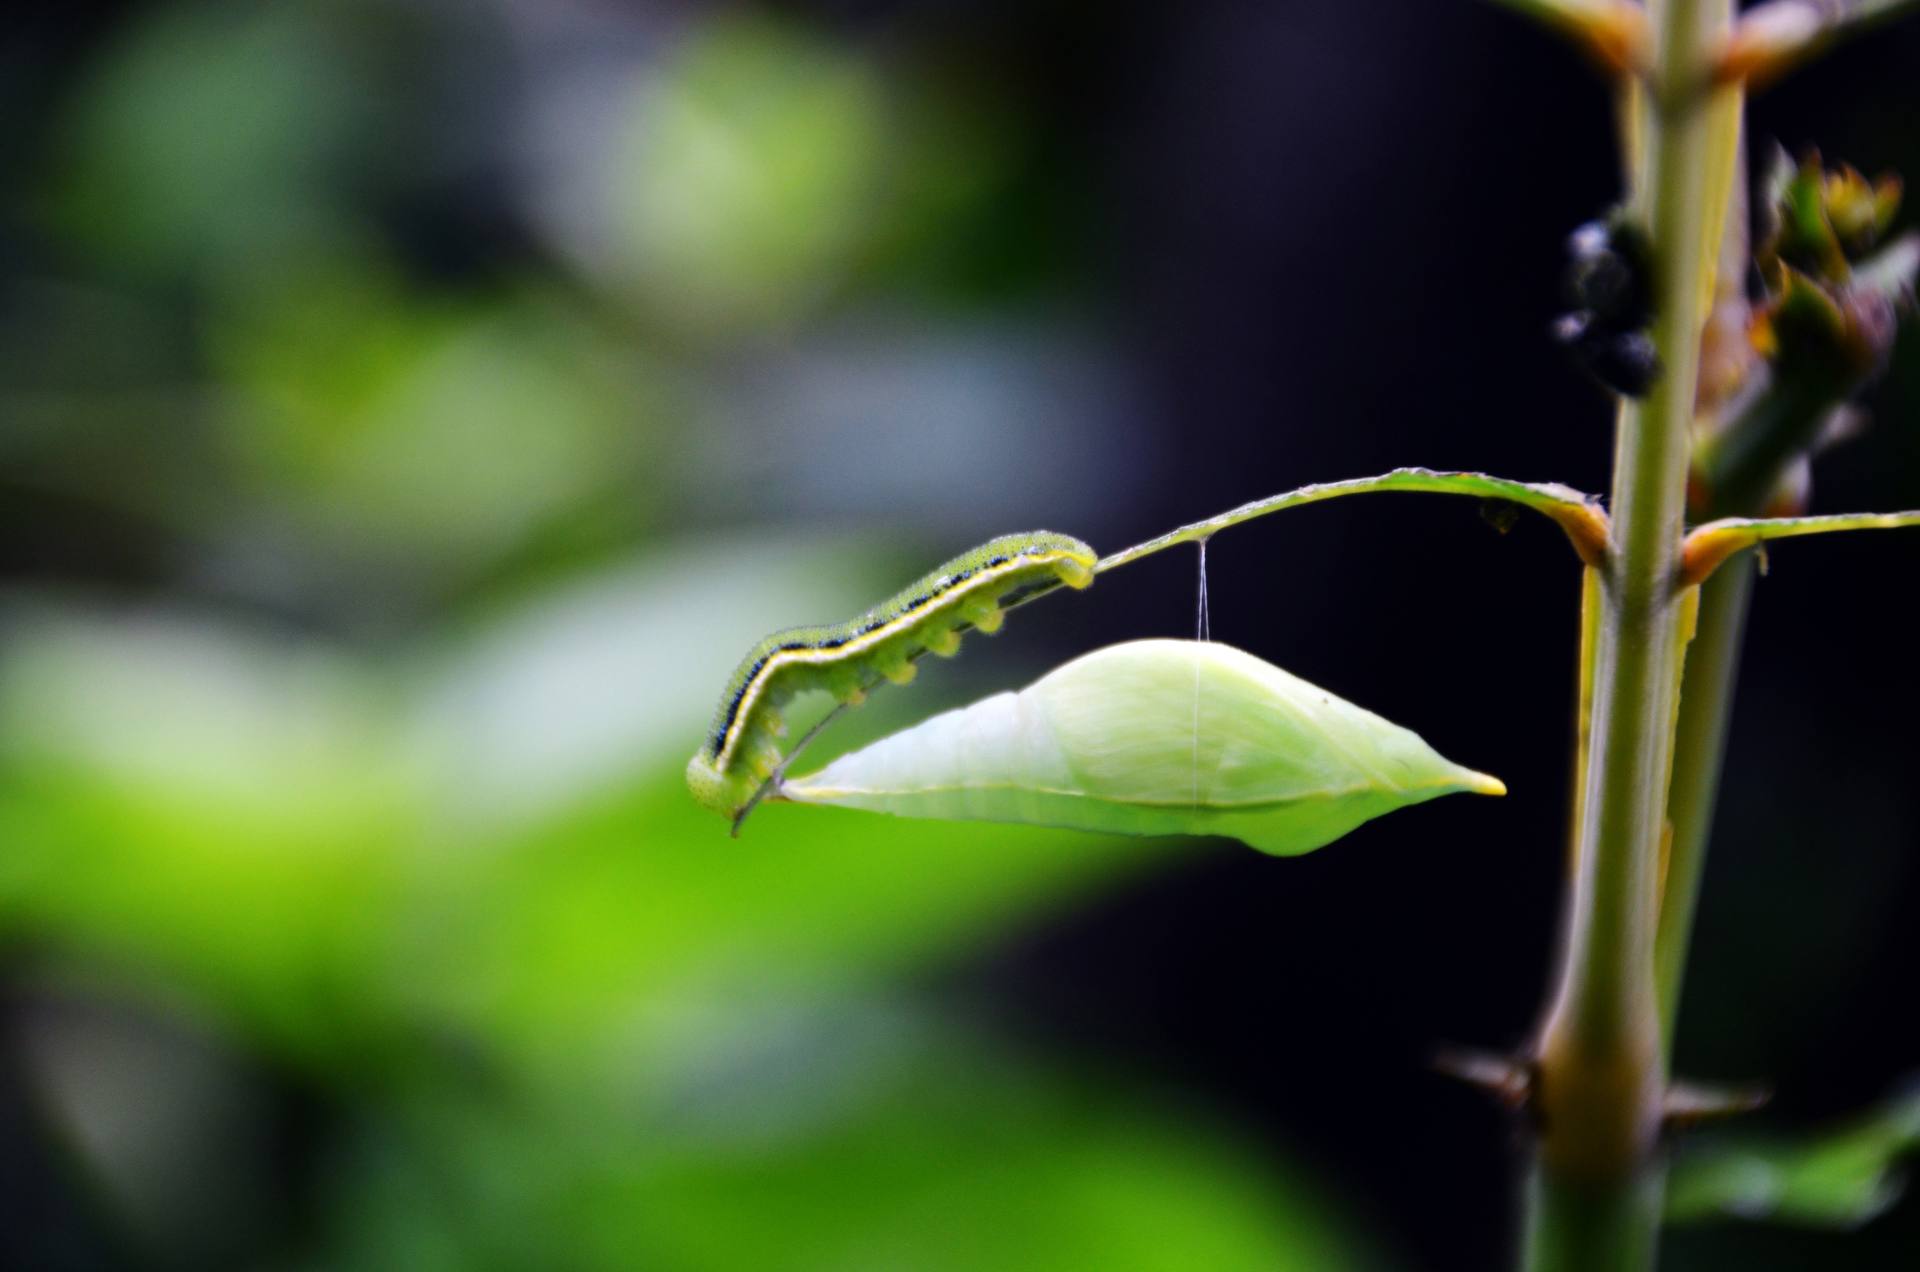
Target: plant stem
1601, 1075
1699, 746
1573, 1226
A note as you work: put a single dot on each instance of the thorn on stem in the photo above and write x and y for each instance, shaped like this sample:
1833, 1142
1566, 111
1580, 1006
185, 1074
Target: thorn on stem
1768, 40
1690, 1104
1508, 1079
1612, 32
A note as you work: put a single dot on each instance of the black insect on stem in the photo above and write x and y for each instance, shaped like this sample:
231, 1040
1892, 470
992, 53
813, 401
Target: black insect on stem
1625, 362
1608, 283
1608, 273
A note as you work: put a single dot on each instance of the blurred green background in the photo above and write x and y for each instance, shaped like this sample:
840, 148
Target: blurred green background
354, 911
410, 409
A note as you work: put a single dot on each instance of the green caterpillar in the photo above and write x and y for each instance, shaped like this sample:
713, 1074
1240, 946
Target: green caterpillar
742, 751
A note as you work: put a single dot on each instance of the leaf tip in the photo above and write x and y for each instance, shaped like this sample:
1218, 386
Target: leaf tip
1482, 784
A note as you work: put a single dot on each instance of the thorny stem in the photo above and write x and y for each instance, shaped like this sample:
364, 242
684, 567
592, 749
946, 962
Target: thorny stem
1571, 1226
1601, 1075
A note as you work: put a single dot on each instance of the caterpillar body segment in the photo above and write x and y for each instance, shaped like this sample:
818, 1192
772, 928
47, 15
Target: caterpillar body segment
742, 751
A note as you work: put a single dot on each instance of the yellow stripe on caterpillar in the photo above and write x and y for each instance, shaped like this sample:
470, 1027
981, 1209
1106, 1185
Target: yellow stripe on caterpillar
972, 591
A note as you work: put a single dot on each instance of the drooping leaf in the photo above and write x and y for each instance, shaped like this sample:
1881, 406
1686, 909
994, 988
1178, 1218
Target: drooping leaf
1153, 737
1579, 516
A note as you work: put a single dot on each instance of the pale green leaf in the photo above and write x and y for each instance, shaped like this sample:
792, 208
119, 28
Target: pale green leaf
1839, 1179
1153, 737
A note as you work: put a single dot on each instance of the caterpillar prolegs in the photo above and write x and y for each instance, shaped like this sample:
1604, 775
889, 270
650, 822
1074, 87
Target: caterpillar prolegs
742, 750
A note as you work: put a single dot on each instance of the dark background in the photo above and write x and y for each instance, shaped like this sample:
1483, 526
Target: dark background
1217, 250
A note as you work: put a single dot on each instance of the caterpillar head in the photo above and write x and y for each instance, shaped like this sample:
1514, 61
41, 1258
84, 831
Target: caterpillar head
713, 789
